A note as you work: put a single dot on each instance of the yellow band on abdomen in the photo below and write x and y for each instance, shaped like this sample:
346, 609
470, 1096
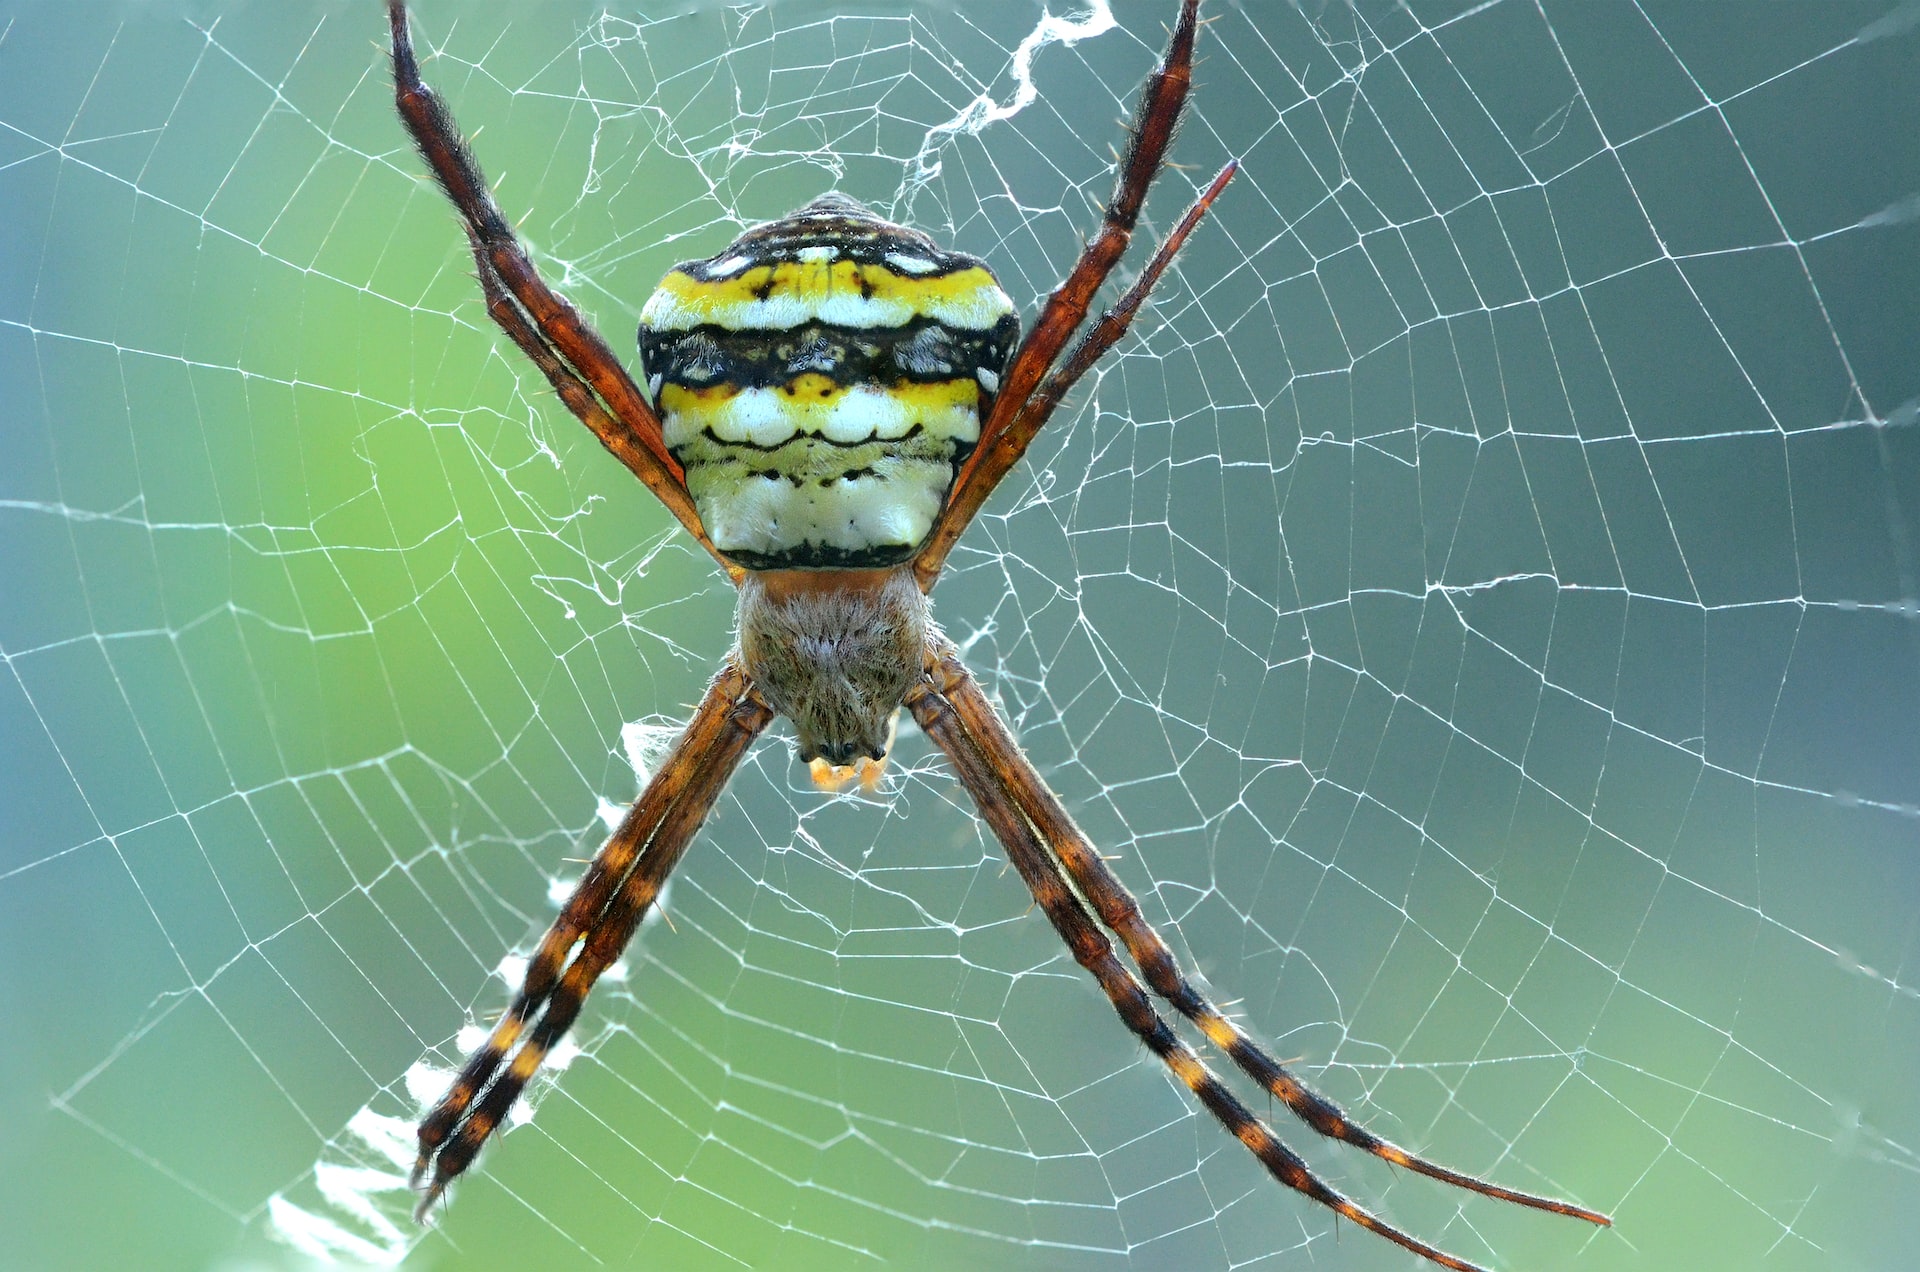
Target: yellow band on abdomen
821, 381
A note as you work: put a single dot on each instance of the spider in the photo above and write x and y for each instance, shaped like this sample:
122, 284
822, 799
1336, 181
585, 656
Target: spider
828, 403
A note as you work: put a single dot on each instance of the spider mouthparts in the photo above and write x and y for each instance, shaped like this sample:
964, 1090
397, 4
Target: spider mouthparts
834, 778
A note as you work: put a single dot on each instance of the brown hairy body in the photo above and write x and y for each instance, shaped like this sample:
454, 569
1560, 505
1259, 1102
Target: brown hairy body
834, 651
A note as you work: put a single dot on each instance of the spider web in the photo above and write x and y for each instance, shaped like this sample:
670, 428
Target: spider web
1478, 607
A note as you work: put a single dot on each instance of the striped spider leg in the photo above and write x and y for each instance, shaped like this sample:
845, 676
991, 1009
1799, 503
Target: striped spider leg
619, 887
546, 326
1079, 893
829, 401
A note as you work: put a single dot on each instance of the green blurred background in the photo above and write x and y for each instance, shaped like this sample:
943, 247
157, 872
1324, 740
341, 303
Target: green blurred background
1479, 608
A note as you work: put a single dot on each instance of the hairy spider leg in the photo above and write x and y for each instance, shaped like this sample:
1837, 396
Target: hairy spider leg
1001, 444
599, 918
1120, 912
576, 396
1108, 329
571, 354
934, 710
609, 868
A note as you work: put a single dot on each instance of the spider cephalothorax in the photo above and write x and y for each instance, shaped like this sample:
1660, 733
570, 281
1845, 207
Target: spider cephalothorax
835, 654
830, 399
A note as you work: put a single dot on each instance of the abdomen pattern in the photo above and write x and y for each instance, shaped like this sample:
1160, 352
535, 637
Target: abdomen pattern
821, 381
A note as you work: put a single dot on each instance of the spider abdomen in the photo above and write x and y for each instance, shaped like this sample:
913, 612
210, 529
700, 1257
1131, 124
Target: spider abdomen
821, 381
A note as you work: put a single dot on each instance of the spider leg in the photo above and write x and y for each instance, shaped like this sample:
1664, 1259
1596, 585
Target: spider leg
1111, 325
546, 326
934, 709
580, 399
1015, 419
1120, 912
607, 905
